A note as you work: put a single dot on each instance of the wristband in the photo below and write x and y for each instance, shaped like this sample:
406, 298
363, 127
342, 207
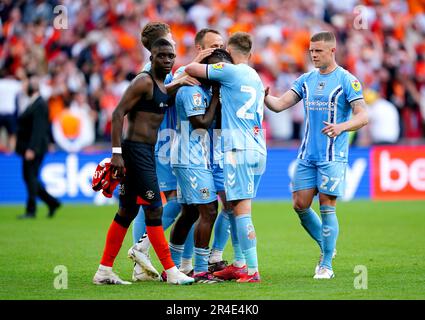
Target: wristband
116, 150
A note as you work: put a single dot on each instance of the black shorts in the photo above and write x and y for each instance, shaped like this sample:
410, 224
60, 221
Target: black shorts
140, 184
9, 122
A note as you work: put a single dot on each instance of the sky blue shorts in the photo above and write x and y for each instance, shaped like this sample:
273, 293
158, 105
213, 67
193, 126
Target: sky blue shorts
166, 179
327, 176
195, 186
242, 173
218, 174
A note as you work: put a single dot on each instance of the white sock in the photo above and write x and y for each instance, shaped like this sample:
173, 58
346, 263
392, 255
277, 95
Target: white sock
216, 256
104, 268
251, 271
238, 263
186, 265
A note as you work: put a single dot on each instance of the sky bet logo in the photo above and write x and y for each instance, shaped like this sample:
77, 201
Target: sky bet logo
66, 179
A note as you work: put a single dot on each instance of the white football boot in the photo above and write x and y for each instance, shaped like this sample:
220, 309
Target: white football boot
139, 274
174, 276
105, 275
144, 261
321, 259
324, 273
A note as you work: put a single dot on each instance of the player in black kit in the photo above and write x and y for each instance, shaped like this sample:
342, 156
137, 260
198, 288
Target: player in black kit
144, 103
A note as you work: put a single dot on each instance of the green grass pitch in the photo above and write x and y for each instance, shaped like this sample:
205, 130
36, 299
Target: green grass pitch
388, 238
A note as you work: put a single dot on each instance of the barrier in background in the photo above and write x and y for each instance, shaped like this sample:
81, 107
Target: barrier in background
385, 173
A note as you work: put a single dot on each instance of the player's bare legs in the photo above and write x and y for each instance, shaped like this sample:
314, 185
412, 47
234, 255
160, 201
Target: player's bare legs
184, 222
205, 223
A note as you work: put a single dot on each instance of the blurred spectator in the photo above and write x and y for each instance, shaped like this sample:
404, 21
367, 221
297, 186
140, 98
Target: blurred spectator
10, 87
384, 121
381, 42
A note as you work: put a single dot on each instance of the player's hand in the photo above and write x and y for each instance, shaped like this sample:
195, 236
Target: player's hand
203, 54
332, 129
29, 155
187, 80
117, 165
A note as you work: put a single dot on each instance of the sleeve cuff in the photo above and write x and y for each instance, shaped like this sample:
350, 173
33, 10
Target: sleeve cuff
296, 93
355, 99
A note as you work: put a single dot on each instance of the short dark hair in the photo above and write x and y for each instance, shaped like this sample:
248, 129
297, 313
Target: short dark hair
200, 35
161, 42
241, 41
152, 31
326, 36
220, 55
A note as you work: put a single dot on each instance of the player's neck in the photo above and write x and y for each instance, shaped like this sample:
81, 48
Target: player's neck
241, 60
328, 69
158, 75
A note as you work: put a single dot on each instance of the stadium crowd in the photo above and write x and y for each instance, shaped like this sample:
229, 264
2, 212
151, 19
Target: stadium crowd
87, 51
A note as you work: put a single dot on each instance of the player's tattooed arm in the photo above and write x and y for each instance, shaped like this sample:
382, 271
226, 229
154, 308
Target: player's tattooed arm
360, 117
358, 120
278, 104
141, 86
204, 121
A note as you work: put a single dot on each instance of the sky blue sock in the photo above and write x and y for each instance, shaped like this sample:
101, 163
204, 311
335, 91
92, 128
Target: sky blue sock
139, 226
189, 244
170, 211
221, 231
247, 240
176, 253
312, 224
237, 252
169, 214
201, 260
330, 229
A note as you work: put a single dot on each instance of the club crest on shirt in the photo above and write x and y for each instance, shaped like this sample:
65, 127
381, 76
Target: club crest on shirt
219, 65
197, 99
321, 85
356, 85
